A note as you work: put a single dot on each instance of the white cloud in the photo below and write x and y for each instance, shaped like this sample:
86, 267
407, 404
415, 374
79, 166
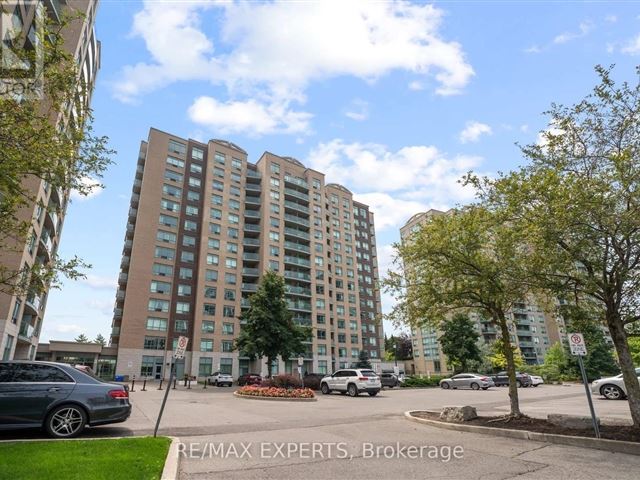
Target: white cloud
473, 131
250, 117
67, 328
96, 189
583, 29
358, 110
277, 49
104, 306
632, 47
524, 128
395, 184
611, 19
533, 49
416, 85
100, 282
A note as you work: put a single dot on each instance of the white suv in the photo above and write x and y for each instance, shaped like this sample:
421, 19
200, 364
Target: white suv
220, 379
352, 381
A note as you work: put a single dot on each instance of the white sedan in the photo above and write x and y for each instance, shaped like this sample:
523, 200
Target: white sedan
536, 380
612, 388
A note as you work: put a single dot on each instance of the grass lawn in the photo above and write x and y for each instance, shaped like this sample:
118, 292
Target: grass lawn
113, 459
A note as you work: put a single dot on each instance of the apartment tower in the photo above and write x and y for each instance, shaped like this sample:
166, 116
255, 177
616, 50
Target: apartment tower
204, 224
21, 315
532, 329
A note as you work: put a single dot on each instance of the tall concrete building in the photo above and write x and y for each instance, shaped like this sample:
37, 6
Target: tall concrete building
204, 224
21, 315
532, 329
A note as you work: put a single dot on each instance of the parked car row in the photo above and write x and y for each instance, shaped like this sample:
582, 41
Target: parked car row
611, 388
477, 381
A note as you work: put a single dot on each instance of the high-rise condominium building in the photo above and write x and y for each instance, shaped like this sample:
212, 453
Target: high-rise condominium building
532, 329
204, 224
21, 315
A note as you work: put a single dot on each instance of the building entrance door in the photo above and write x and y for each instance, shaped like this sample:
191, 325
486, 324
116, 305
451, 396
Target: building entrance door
158, 371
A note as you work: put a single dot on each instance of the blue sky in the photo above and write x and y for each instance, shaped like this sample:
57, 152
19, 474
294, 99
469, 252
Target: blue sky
395, 100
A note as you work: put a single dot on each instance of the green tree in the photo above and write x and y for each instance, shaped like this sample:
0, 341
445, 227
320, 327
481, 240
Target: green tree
555, 363
100, 340
269, 330
82, 338
398, 347
577, 203
48, 139
466, 260
363, 360
459, 342
498, 359
634, 349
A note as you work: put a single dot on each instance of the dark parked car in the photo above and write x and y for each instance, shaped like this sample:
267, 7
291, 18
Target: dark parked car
389, 380
502, 379
58, 397
249, 379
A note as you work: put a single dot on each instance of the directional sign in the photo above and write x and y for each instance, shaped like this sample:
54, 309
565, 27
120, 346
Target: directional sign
577, 345
181, 347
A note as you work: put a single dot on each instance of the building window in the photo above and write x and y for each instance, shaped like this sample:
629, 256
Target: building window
227, 346
275, 168
229, 294
226, 365
166, 237
227, 328
162, 270
322, 349
190, 226
180, 326
215, 228
175, 162
160, 287
209, 309
230, 278
231, 263
16, 311
321, 334
235, 163
208, 326
156, 305
322, 366
187, 257
229, 312
186, 274
6, 354
157, 324
154, 343
168, 221
191, 210
148, 363
211, 276
213, 244
182, 307
177, 147
188, 241
184, 290
171, 191
219, 157
210, 292
197, 153
173, 176
206, 345
205, 366
165, 253
212, 259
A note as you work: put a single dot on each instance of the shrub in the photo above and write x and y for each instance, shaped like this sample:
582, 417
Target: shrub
421, 382
275, 392
312, 382
286, 381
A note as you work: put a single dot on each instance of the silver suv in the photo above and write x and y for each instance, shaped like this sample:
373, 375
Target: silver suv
352, 381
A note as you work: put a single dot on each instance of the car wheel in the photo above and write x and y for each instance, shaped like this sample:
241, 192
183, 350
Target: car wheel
475, 386
352, 390
612, 392
343, 393
372, 394
518, 383
66, 421
325, 389
445, 385
535, 385
485, 388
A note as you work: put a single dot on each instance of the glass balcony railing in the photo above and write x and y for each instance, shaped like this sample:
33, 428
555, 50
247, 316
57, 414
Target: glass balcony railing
295, 206
296, 194
296, 246
297, 275
296, 219
297, 261
297, 233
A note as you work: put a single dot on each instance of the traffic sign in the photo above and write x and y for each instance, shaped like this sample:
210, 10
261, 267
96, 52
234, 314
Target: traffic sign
577, 345
300, 361
181, 347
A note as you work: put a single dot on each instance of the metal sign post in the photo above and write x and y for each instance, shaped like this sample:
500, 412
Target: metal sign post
179, 353
300, 363
579, 349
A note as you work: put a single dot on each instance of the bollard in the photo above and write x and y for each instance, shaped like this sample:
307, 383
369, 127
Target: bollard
133, 385
174, 383
189, 387
160, 386
185, 381
205, 383
144, 385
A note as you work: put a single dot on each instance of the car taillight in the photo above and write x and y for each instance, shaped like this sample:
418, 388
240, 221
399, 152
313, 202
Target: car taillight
484, 379
363, 378
118, 394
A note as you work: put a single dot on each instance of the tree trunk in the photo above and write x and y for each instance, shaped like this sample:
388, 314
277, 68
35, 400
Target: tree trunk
511, 367
619, 337
269, 365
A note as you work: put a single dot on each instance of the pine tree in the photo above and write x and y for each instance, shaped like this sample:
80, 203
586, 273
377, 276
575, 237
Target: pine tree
82, 338
363, 360
459, 342
100, 340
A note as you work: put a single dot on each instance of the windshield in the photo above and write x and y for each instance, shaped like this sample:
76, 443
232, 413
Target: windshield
369, 373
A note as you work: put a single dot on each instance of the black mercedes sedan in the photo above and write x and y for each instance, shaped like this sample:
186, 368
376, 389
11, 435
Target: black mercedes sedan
57, 397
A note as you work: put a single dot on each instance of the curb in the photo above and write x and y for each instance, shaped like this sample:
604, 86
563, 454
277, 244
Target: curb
277, 399
616, 446
172, 462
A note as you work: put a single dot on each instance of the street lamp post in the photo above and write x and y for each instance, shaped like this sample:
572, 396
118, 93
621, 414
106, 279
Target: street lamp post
395, 353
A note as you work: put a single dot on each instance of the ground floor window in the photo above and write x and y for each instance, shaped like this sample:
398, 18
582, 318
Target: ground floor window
7, 348
244, 366
226, 365
149, 363
204, 369
322, 366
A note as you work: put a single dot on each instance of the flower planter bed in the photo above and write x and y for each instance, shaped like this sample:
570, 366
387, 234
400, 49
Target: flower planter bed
276, 393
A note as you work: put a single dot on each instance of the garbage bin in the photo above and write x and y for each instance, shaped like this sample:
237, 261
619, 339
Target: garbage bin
119, 378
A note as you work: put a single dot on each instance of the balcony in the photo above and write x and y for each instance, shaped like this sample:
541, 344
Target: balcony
32, 304
133, 213
297, 261
251, 242
297, 233
45, 244
297, 275
299, 182
245, 303
124, 263
253, 200
296, 206
251, 256
249, 287
123, 277
250, 272
117, 313
252, 214
296, 194
51, 219
525, 343
298, 291
120, 295
128, 244
115, 330
296, 219
137, 184
26, 330
131, 227
135, 199
253, 174
299, 305
489, 331
249, 227
253, 187
296, 246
